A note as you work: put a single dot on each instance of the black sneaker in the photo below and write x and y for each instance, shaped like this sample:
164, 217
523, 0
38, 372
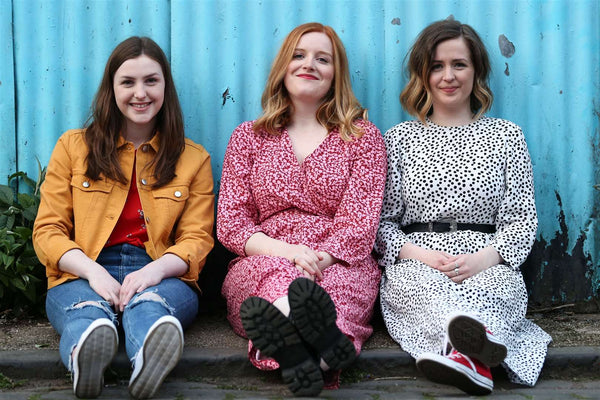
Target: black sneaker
313, 313
275, 336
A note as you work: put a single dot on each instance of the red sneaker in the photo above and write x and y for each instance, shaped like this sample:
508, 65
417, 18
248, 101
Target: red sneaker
470, 337
456, 369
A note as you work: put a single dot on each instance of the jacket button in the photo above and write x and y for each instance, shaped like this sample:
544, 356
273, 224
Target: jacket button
144, 182
85, 184
145, 148
177, 193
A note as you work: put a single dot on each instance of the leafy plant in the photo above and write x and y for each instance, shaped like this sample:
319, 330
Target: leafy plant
22, 277
7, 383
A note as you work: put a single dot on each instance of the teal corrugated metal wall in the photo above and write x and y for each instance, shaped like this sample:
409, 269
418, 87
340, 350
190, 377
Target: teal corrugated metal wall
54, 51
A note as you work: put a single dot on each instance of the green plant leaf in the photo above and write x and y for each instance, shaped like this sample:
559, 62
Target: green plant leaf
30, 213
10, 221
25, 200
6, 195
18, 283
34, 279
30, 293
4, 259
23, 232
22, 276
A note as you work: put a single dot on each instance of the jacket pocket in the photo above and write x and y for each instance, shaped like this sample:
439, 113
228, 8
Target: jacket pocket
170, 202
90, 199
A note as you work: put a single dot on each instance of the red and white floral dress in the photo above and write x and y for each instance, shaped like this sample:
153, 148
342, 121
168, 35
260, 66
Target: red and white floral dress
330, 202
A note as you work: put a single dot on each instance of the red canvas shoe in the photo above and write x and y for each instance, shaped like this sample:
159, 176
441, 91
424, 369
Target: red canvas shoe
470, 337
469, 375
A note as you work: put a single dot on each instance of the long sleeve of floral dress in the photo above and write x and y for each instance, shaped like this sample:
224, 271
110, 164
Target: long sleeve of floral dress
330, 202
237, 212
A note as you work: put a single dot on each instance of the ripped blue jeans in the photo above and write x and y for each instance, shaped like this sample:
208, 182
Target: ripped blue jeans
72, 306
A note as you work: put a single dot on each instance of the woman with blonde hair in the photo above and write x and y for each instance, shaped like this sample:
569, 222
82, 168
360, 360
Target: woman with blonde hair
457, 222
299, 203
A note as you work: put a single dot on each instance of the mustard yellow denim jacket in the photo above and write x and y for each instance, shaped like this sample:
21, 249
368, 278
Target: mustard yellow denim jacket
78, 213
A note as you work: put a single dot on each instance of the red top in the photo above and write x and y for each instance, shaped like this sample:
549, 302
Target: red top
131, 227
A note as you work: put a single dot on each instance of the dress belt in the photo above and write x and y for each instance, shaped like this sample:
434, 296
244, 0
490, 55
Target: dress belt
451, 226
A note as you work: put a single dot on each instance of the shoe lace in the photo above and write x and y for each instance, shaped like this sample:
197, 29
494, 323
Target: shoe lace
454, 354
446, 347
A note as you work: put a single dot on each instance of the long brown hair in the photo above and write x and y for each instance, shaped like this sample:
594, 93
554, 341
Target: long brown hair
106, 120
416, 96
339, 109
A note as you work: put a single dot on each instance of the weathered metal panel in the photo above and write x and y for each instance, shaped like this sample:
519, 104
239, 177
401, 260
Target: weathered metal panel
221, 53
7, 93
61, 48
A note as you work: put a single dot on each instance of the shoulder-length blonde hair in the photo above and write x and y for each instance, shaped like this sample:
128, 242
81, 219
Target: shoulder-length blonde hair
416, 96
339, 108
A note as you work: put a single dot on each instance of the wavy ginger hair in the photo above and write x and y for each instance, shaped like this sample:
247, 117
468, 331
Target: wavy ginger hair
339, 108
104, 126
416, 96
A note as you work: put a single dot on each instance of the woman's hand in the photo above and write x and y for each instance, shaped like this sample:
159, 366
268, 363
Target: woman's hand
77, 263
169, 265
105, 285
433, 258
464, 266
138, 281
303, 257
327, 260
306, 260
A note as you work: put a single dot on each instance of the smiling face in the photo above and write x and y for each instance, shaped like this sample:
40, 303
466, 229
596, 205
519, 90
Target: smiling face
139, 87
451, 77
310, 73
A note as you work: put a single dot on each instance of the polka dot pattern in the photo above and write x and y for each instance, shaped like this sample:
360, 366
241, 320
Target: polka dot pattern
477, 173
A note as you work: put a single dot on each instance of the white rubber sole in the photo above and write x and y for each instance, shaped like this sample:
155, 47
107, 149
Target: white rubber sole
94, 352
159, 354
440, 369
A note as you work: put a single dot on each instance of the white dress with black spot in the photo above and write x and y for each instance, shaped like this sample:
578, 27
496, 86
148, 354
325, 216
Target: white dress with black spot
477, 173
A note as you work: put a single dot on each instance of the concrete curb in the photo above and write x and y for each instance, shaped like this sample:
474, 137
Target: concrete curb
565, 362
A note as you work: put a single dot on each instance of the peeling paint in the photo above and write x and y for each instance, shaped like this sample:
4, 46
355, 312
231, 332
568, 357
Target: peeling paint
507, 48
506, 71
396, 21
553, 275
226, 96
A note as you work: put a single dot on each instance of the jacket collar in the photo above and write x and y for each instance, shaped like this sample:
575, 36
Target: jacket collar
154, 142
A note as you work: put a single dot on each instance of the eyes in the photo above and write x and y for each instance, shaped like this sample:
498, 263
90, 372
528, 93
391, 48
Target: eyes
459, 65
320, 58
149, 81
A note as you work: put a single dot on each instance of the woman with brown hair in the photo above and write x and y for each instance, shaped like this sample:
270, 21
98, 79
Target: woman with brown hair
299, 203
458, 220
124, 225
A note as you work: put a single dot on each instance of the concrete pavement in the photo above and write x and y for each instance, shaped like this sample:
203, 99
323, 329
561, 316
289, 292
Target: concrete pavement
215, 365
